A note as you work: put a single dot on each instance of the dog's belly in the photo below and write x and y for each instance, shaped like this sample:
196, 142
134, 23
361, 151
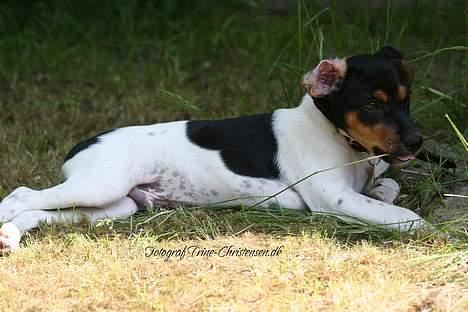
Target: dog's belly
175, 191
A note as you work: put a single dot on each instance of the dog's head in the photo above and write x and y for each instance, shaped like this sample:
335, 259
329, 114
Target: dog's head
368, 96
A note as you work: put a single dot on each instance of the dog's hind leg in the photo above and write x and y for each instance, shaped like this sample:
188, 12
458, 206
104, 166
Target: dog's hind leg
11, 232
86, 189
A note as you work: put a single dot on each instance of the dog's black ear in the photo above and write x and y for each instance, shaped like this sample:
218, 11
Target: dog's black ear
323, 79
390, 52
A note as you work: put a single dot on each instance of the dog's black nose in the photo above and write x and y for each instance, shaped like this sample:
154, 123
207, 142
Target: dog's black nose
413, 142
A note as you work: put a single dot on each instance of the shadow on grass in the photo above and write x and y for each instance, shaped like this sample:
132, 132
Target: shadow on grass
209, 223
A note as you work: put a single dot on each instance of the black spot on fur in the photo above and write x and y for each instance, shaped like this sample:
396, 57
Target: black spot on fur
84, 145
369, 201
340, 201
247, 144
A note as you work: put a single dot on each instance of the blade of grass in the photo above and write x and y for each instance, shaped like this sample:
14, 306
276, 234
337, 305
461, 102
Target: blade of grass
459, 134
438, 52
180, 100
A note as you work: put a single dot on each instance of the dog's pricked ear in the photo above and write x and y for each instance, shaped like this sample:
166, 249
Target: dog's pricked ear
323, 79
390, 52
408, 72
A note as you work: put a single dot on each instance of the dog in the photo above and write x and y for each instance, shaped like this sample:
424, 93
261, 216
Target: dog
353, 108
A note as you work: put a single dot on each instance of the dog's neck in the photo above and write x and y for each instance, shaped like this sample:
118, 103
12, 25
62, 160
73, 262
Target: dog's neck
352, 142
311, 105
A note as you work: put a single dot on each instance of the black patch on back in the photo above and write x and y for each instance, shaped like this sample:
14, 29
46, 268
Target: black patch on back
84, 145
247, 144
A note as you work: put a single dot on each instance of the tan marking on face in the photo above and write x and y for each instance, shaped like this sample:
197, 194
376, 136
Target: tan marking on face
402, 93
408, 71
370, 136
381, 95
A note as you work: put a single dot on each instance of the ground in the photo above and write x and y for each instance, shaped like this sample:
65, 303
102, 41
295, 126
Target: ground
69, 70
313, 273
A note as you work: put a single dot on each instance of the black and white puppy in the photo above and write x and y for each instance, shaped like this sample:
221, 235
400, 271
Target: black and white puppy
353, 107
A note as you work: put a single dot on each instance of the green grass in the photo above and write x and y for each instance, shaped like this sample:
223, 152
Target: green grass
71, 69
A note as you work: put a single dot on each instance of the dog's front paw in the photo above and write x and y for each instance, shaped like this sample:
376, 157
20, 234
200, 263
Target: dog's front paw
385, 190
414, 225
10, 237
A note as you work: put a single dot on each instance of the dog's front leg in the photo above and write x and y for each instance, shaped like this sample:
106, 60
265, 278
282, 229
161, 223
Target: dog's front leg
352, 204
345, 202
383, 189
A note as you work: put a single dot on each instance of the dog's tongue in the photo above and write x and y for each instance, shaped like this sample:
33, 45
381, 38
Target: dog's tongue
406, 158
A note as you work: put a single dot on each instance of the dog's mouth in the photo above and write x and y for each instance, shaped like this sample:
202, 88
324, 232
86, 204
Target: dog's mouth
402, 160
396, 158
406, 157
399, 155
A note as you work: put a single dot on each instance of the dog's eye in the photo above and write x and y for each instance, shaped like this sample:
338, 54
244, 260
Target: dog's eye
371, 106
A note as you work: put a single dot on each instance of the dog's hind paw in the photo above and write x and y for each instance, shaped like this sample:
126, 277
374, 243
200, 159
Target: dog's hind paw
17, 202
10, 237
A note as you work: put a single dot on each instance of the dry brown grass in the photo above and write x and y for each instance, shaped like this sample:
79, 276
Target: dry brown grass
75, 273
